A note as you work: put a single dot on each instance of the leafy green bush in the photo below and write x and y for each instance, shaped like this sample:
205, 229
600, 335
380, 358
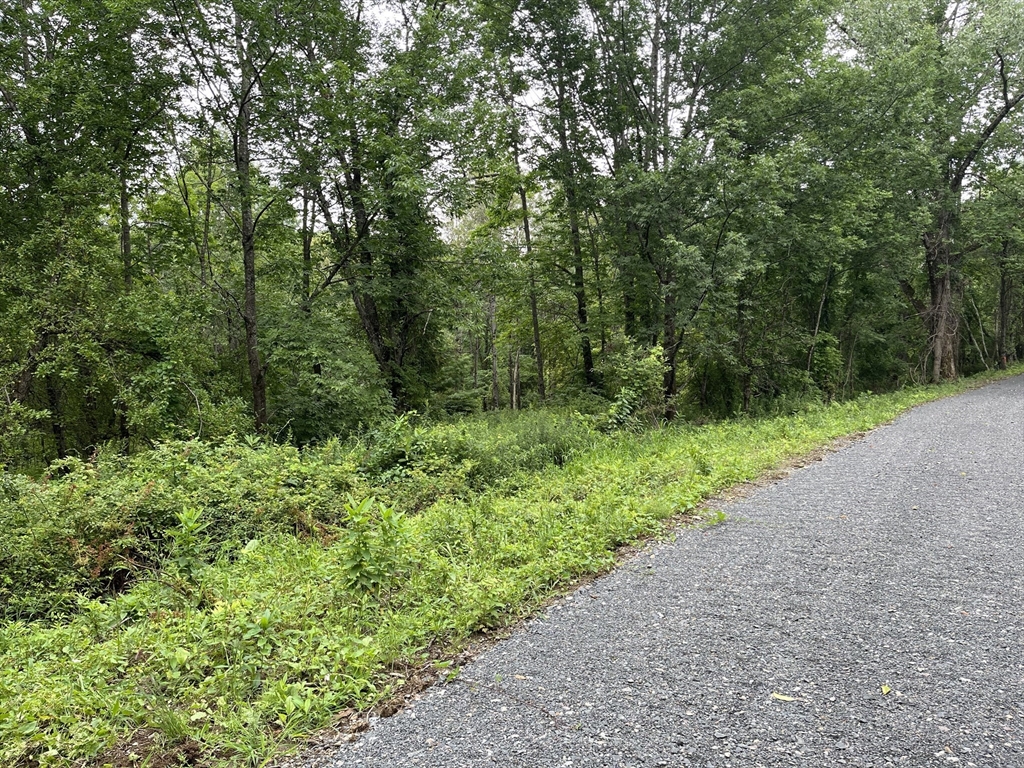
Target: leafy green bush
412, 465
88, 527
634, 377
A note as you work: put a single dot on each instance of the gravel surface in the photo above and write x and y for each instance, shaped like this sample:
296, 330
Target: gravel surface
867, 610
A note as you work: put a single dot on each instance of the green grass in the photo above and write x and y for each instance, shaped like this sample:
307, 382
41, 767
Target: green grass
237, 648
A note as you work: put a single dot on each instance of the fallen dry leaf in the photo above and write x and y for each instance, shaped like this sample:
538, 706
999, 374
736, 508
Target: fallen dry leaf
784, 697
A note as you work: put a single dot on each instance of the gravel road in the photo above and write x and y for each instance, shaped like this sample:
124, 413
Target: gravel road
868, 610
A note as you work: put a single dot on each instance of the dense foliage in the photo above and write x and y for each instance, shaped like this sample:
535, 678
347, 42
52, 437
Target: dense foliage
92, 528
300, 219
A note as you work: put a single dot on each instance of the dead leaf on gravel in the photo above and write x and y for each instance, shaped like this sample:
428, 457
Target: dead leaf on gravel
784, 697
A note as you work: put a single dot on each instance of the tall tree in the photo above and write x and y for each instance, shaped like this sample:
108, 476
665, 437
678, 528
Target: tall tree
965, 62
229, 47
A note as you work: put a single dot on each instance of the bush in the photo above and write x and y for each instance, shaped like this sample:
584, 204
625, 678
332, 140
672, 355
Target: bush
87, 528
635, 380
411, 466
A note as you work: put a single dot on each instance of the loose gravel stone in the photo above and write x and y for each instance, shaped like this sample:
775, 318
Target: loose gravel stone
868, 610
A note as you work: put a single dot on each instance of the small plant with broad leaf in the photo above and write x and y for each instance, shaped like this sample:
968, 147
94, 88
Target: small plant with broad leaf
187, 545
372, 537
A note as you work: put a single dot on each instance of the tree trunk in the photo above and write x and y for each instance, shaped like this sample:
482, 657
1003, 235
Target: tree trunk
248, 230
579, 291
358, 272
981, 348
205, 266
308, 233
596, 256
817, 319
492, 340
126, 230
670, 349
308, 224
942, 319
942, 264
1005, 306
571, 204
538, 352
513, 380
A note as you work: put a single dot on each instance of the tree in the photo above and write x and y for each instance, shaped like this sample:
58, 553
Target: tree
229, 47
962, 65
80, 106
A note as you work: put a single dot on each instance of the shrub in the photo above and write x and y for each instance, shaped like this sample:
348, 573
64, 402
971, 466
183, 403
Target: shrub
88, 527
411, 465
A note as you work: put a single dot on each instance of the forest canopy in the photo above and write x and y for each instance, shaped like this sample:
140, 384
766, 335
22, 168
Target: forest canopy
304, 218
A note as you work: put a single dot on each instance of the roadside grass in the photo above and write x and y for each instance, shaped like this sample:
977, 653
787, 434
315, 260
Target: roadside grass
226, 651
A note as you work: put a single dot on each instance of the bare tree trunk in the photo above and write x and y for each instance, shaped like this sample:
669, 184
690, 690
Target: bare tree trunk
126, 229
248, 230
513, 380
492, 337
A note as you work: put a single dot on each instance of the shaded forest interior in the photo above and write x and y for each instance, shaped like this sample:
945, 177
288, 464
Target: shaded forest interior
303, 218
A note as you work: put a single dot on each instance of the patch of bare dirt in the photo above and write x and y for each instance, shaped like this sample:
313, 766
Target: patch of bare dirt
147, 747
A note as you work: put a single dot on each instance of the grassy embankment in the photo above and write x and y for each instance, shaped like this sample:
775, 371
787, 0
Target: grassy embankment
214, 603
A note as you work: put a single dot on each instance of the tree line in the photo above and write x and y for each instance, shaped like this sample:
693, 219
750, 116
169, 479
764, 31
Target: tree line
300, 218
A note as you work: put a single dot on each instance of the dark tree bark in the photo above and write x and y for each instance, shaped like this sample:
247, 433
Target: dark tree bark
572, 209
670, 350
1005, 307
942, 318
126, 228
247, 226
